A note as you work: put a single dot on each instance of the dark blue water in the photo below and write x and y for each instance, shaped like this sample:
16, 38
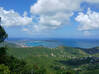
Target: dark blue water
52, 43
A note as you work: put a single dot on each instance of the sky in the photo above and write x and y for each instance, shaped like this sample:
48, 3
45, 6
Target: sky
50, 18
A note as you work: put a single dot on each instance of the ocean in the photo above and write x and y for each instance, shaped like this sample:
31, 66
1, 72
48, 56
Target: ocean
52, 43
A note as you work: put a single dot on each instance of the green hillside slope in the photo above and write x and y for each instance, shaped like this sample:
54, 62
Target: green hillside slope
50, 58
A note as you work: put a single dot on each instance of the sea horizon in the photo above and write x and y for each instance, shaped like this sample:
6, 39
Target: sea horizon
56, 42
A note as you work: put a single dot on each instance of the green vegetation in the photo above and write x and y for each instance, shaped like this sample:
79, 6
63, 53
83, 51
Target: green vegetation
60, 60
3, 34
9, 64
41, 60
4, 69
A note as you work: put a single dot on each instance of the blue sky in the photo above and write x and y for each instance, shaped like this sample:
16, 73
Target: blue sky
50, 18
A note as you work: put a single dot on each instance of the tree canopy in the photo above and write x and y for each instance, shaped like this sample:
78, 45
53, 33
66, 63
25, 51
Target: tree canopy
3, 34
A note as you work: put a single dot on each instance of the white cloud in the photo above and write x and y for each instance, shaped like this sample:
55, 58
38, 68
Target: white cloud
88, 21
53, 13
51, 22
53, 6
12, 18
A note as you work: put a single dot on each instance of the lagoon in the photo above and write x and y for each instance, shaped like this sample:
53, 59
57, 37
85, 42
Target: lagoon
52, 43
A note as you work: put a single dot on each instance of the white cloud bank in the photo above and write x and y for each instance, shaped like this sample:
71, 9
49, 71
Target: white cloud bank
54, 13
88, 21
12, 18
54, 6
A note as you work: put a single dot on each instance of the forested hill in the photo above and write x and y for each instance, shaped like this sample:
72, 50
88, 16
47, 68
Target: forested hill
43, 60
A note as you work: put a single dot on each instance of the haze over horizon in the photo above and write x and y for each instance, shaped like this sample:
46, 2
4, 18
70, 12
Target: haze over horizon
50, 18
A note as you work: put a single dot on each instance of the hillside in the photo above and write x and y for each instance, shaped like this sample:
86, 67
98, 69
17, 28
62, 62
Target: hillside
56, 59
94, 50
54, 52
9, 44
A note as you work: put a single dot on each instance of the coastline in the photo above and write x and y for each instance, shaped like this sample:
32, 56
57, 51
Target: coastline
56, 43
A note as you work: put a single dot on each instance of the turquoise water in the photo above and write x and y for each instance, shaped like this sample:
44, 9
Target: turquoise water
52, 43
82, 43
43, 43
